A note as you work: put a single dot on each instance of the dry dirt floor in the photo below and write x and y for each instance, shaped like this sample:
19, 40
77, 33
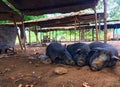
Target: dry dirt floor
20, 71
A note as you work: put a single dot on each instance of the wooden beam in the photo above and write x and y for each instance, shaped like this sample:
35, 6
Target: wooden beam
105, 23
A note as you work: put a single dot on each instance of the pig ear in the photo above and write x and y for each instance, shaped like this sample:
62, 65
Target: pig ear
65, 45
78, 50
115, 57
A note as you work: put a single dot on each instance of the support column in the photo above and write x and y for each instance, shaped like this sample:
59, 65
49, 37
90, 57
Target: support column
99, 26
24, 35
92, 34
56, 35
29, 36
79, 34
19, 38
83, 34
66, 36
70, 35
96, 27
36, 33
75, 32
105, 23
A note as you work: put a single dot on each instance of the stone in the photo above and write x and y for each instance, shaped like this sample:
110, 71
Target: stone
60, 70
45, 59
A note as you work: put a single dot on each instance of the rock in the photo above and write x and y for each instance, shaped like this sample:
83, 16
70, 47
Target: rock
60, 70
20, 85
85, 84
3, 55
43, 56
31, 58
45, 59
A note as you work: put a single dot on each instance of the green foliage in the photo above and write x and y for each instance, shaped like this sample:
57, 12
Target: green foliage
4, 21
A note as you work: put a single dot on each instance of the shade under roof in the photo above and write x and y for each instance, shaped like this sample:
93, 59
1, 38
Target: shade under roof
38, 7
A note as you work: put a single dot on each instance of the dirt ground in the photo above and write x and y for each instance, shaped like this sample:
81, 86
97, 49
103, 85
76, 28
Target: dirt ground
20, 71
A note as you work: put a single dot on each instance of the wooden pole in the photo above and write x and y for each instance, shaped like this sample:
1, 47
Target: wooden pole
41, 36
83, 34
19, 38
70, 35
56, 35
23, 27
92, 34
29, 36
113, 33
99, 27
75, 32
79, 34
96, 27
105, 23
36, 33
66, 36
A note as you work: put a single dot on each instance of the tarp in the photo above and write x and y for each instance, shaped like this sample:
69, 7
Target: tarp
7, 37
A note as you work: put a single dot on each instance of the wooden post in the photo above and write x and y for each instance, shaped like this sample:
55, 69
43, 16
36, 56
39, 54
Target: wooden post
49, 34
99, 27
92, 34
83, 34
24, 41
56, 35
113, 32
66, 36
75, 32
79, 34
70, 35
105, 23
41, 36
36, 33
29, 36
52, 34
86, 31
19, 38
96, 27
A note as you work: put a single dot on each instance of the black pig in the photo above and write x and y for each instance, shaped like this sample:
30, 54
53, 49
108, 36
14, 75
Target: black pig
59, 54
102, 55
79, 52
